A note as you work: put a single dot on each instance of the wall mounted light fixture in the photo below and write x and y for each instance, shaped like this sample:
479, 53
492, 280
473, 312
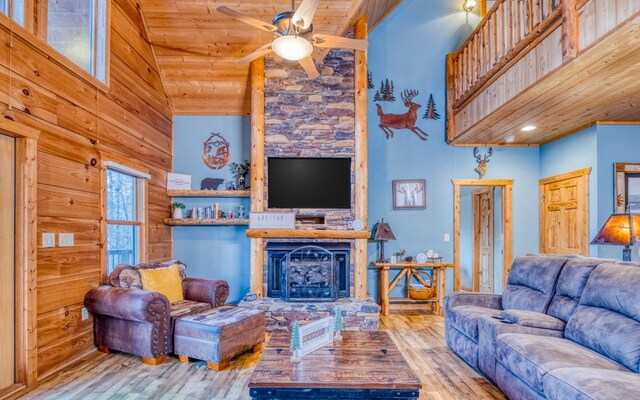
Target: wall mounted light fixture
469, 5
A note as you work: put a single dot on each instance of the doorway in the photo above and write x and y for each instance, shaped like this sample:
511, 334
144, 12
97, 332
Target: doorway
564, 213
482, 234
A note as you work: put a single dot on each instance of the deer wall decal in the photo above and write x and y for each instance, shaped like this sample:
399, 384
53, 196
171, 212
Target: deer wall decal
481, 169
402, 121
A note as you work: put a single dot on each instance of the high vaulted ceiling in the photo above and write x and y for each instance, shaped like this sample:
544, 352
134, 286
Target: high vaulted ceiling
196, 47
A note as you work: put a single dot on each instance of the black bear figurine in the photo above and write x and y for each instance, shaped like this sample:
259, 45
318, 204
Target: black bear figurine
210, 183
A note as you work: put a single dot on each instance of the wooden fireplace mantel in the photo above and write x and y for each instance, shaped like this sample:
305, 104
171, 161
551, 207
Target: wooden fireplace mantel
307, 234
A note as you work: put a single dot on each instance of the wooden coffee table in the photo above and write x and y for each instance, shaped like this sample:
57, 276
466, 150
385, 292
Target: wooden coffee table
363, 365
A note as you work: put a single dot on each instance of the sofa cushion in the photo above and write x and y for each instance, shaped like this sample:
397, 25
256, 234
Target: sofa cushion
531, 282
186, 307
571, 283
533, 319
465, 319
591, 384
531, 357
131, 279
607, 320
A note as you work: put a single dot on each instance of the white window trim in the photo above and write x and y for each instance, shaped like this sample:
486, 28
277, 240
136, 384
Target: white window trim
126, 170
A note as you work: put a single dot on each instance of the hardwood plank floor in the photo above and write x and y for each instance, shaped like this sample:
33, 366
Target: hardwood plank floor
419, 336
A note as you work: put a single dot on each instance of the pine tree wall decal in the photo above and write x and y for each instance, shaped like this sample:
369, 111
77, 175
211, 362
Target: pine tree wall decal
431, 112
294, 346
370, 80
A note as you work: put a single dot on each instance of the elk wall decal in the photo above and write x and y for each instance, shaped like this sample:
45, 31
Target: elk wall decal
402, 121
481, 169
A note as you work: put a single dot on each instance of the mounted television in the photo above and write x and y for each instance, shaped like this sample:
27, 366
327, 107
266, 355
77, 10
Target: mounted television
309, 182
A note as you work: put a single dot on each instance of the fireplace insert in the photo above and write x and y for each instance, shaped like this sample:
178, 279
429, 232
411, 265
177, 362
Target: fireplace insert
300, 272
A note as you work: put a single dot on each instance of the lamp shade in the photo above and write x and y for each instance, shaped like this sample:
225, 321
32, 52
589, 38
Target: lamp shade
618, 230
382, 231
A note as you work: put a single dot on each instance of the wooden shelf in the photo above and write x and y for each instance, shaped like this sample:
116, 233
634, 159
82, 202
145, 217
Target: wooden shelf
205, 222
208, 193
409, 300
307, 234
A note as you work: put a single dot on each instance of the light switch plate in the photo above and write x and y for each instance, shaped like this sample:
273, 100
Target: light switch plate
65, 239
446, 237
48, 240
85, 314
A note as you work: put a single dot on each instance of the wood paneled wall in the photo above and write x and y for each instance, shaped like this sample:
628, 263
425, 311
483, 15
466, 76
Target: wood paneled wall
80, 120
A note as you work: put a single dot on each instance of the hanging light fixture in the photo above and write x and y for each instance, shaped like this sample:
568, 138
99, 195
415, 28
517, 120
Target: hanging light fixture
292, 47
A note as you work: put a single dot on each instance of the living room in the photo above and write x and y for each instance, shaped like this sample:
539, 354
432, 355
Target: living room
433, 117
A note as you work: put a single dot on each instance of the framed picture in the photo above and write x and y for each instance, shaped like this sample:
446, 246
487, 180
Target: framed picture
627, 187
315, 335
409, 194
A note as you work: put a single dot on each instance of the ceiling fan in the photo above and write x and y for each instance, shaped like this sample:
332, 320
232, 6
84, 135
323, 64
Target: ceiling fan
293, 37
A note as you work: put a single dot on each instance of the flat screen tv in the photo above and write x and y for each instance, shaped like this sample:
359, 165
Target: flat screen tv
309, 182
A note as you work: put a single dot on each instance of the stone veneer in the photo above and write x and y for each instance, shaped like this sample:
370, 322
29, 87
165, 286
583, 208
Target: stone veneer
358, 315
313, 118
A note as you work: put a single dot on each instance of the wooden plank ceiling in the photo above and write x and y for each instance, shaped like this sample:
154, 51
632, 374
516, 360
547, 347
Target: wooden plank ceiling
196, 47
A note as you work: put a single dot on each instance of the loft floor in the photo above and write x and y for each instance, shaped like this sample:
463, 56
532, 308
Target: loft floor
419, 336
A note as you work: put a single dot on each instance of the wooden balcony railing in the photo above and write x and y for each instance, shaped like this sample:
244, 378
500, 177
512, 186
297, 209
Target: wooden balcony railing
506, 30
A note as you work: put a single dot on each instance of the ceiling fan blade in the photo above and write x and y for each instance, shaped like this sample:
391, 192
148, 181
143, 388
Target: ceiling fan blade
320, 40
257, 53
310, 67
305, 13
265, 26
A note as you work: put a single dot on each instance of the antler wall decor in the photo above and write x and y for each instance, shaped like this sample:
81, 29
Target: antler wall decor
482, 161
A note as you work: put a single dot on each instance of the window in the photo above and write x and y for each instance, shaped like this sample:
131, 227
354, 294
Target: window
15, 8
125, 215
77, 29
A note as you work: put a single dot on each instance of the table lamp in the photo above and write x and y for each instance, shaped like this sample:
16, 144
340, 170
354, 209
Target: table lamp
618, 230
380, 233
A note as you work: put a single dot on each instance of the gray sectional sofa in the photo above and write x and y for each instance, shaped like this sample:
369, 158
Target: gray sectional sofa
566, 327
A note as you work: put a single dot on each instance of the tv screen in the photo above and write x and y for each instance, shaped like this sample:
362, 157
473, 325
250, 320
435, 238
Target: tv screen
309, 182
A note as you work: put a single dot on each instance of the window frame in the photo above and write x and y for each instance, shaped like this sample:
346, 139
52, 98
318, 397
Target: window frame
41, 18
110, 162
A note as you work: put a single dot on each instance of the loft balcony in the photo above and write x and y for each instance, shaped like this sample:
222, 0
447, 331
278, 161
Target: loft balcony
558, 65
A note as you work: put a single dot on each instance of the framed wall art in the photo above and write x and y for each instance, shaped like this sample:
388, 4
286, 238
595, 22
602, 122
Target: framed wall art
627, 187
409, 194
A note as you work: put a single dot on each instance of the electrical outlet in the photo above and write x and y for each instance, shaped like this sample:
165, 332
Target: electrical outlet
48, 240
85, 314
65, 239
446, 237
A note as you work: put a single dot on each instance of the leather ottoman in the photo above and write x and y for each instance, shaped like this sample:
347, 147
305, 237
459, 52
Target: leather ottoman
219, 334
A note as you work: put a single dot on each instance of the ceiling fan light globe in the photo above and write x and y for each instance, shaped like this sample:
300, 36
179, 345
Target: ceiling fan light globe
292, 48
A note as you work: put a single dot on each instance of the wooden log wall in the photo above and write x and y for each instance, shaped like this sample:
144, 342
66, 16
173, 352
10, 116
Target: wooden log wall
81, 119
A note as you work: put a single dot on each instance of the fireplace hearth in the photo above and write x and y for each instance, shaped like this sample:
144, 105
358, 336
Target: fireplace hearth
308, 273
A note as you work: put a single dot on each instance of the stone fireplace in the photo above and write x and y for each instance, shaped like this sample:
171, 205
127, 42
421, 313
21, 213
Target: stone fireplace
311, 118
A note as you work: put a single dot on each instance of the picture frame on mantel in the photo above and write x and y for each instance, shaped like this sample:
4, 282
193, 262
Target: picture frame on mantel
627, 187
409, 194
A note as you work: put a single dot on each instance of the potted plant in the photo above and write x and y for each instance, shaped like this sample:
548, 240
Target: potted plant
240, 171
177, 209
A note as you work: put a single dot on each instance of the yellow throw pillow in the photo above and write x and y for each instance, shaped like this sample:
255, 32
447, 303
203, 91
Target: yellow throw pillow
163, 280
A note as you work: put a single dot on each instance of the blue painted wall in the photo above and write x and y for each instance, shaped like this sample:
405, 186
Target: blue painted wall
410, 47
213, 252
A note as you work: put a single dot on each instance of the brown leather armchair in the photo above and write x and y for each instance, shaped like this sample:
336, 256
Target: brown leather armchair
136, 321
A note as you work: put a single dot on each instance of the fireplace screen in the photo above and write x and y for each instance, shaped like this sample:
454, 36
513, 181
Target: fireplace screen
309, 273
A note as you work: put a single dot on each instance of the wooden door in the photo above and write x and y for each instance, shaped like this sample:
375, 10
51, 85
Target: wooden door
483, 241
7, 261
564, 213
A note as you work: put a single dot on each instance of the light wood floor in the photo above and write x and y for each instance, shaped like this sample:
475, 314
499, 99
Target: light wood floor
420, 337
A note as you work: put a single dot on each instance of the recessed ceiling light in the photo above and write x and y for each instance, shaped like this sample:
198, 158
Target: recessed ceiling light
528, 128
510, 139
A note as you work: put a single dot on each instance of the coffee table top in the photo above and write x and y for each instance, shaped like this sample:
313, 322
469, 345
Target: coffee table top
361, 360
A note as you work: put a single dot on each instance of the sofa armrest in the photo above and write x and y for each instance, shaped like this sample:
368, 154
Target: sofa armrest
485, 300
129, 304
214, 292
533, 319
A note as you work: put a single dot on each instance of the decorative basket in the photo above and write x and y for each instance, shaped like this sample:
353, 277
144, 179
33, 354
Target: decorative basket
419, 291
